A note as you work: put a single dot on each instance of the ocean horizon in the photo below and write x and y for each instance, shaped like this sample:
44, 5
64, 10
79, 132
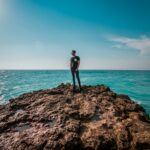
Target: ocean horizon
134, 83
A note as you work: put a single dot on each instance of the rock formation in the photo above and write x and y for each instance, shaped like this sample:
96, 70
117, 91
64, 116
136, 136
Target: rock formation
57, 119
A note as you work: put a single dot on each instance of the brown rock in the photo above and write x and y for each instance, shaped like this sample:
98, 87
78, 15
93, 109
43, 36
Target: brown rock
56, 119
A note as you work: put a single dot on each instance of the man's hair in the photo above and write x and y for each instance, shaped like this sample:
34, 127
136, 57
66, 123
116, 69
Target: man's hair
74, 51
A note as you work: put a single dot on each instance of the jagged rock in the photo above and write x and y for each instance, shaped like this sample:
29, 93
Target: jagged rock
57, 119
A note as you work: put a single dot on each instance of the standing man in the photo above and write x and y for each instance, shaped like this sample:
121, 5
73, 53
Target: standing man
74, 66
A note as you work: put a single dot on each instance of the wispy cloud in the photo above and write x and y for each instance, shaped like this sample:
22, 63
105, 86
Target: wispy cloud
117, 46
142, 43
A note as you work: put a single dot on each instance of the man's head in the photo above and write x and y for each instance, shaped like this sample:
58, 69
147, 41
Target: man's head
73, 53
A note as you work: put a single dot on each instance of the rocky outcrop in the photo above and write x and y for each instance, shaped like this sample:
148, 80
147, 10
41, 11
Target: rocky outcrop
57, 119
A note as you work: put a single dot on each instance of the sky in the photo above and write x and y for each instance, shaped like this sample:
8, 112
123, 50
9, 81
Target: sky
107, 34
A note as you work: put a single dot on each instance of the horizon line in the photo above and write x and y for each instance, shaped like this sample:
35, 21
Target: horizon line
79, 69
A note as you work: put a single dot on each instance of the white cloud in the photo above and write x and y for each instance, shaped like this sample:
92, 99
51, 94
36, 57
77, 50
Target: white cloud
117, 46
142, 43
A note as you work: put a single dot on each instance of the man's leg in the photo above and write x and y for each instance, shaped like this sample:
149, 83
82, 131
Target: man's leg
73, 78
78, 78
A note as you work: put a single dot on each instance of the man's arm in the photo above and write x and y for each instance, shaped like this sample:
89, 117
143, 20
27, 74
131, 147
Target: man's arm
78, 65
70, 64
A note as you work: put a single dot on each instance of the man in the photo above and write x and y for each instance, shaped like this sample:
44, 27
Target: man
74, 66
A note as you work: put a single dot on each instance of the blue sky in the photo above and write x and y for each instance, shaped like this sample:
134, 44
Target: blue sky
107, 34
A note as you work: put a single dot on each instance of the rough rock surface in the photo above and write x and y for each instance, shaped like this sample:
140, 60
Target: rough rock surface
56, 119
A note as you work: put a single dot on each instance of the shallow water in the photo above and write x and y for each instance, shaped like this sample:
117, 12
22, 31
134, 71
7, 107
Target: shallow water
136, 84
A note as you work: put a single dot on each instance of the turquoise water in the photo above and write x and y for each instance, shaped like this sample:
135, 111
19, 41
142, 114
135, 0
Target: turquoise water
136, 84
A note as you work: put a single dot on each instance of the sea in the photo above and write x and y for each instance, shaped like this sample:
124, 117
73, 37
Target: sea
134, 83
